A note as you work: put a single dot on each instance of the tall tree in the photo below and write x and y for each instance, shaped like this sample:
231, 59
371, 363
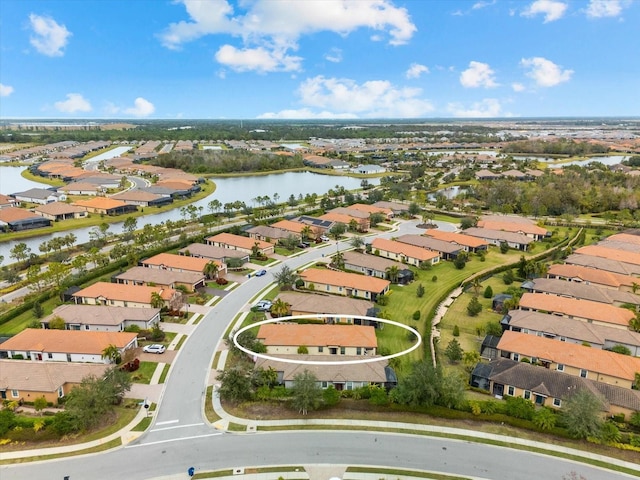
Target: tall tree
581, 414
211, 270
306, 393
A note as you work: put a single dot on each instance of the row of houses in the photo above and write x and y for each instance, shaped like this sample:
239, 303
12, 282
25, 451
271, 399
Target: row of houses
576, 323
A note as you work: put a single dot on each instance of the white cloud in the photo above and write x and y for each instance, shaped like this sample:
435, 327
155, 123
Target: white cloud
334, 55
604, 8
486, 108
551, 9
49, 37
544, 72
141, 108
258, 59
478, 75
517, 87
5, 90
323, 97
74, 103
416, 70
482, 4
277, 26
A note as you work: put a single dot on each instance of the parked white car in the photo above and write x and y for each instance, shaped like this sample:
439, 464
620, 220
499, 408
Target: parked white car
154, 348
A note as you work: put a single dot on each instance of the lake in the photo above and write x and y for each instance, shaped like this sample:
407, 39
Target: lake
228, 189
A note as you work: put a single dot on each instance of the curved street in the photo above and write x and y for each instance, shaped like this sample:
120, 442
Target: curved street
180, 437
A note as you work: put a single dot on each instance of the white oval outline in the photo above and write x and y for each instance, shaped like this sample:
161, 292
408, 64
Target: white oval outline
324, 315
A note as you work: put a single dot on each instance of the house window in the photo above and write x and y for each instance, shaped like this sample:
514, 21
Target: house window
563, 339
325, 384
112, 302
358, 350
68, 357
525, 330
583, 373
560, 367
49, 356
511, 390
516, 357
349, 385
527, 395
342, 350
339, 289
15, 393
557, 402
60, 392
538, 334
320, 349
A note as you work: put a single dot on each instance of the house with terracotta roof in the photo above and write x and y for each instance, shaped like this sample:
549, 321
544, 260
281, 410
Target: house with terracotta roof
158, 277
7, 201
18, 219
550, 388
339, 309
82, 188
182, 263
240, 243
584, 310
632, 257
340, 377
362, 224
396, 207
582, 291
202, 250
103, 318
363, 207
320, 339
26, 381
403, 252
578, 360
269, 234
467, 242
58, 211
46, 345
592, 276
343, 283
565, 329
294, 228
633, 239
120, 295
105, 206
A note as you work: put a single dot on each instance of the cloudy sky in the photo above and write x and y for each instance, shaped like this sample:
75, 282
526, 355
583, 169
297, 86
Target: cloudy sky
217, 59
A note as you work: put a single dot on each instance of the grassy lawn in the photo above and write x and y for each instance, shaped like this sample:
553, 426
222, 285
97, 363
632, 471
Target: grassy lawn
266, 262
165, 372
144, 373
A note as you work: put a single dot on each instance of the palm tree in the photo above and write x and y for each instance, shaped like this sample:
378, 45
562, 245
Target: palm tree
211, 270
338, 260
306, 232
476, 284
393, 273
255, 250
156, 300
280, 308
111, 353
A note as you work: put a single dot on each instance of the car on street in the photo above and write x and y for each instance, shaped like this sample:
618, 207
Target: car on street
263, 305
303, 245
260, 273
324, 238
154, 348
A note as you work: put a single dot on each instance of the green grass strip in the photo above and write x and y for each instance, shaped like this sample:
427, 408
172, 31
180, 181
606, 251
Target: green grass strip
116, 442
165, 372
405, 473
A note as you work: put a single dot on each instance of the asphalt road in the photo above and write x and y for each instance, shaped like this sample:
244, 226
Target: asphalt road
180, 436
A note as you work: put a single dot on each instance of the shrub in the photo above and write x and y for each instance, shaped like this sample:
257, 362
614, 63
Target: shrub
518, 407
382, 300
474, 307
456, 331
416, 315
303, 350
330, 396
508, 277
488, 292
621, 349
221, 281
420, 291
434, 279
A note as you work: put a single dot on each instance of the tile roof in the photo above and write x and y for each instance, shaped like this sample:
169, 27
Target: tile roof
137, 196
13, 214
209, 251
352, 212
101, 314
459, 238
66, 341
393, 206
159, 276
602, 263
430, 243
344, 279
512, 237
591, 275
373, 372
626, 238
170, 260
595, 334
103, 203
129, 293
410, 251
577, 356
581, 290
370, 261
312, 335
340, 218
610, 253
269, 232
45, 376
510, 224
58, 208
577, 308
317, 303
238, 241
371, 208
290, 225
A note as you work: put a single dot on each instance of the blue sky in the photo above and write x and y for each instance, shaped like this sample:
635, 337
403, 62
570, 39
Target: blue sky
217, 59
